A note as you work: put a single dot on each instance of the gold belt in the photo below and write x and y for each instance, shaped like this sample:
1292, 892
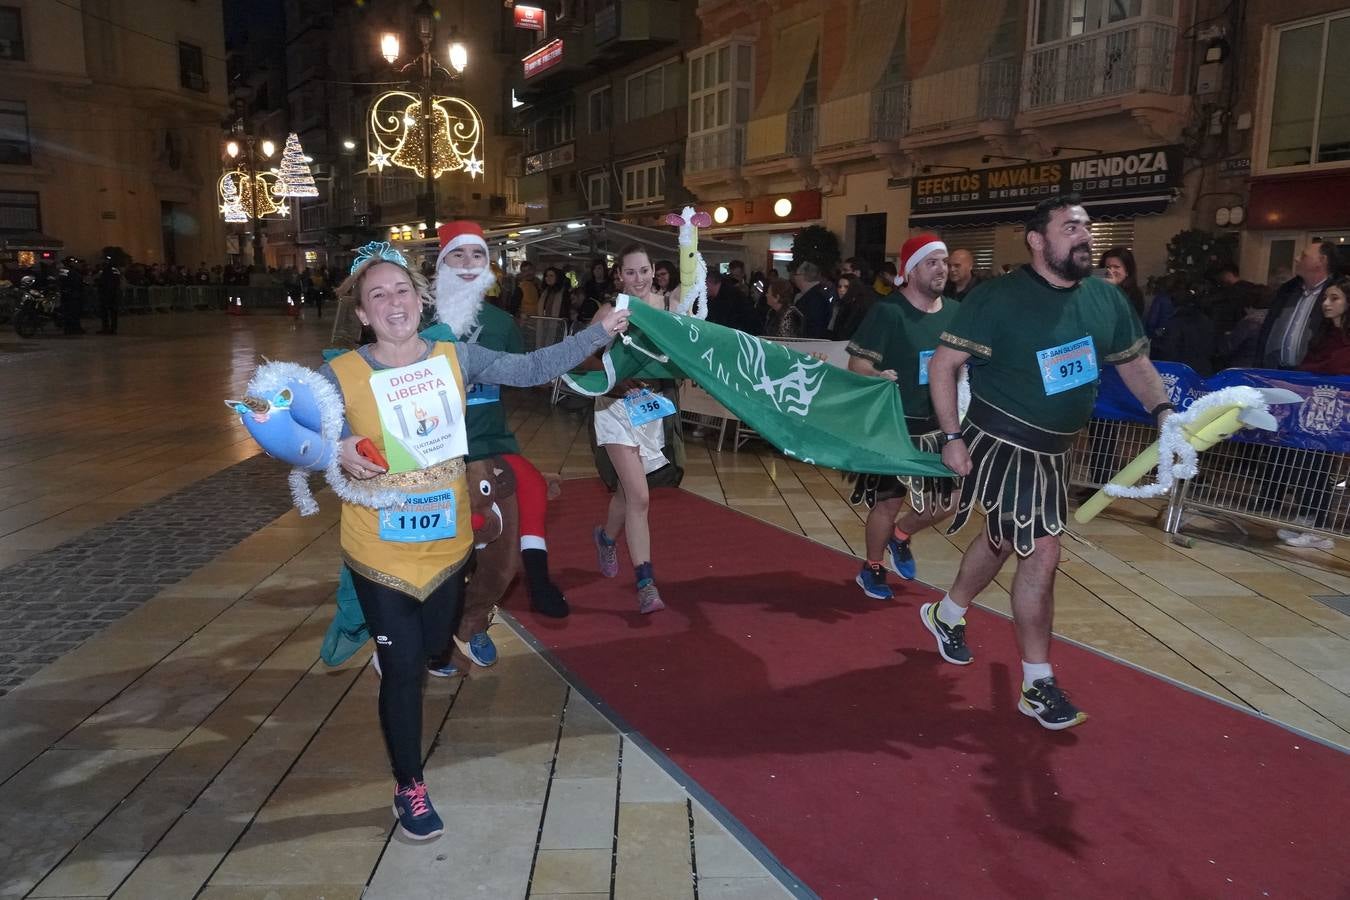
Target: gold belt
432, 476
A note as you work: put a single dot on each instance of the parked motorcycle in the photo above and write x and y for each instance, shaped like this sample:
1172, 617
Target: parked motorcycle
34, 308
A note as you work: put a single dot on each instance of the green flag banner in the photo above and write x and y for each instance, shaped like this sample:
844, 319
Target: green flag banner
807, 408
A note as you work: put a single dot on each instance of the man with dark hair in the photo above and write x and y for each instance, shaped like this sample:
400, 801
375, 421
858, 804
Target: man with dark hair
884, 284
856, 265
814, 300
1035, 340
1233, 298
728, 306
895, 342
1293, 315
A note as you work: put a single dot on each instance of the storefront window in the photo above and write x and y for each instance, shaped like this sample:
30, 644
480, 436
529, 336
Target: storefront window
1309, 107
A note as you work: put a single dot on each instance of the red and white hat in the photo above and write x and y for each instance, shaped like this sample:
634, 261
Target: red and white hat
913, 251
459, 234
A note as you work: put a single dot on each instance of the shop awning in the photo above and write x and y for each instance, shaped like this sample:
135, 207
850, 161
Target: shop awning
793, 49
1016, 215
952, 34
1315, 200
876, 26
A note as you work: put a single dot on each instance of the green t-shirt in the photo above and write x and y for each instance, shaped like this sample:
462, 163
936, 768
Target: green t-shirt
1026, 340
485, 419
897, 336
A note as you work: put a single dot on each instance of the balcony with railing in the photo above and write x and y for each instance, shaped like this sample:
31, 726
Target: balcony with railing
890, 112
801, 131
712, 151
1129, 59
965, 98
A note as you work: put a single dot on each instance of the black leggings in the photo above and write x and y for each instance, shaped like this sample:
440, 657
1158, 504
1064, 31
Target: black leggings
407, 634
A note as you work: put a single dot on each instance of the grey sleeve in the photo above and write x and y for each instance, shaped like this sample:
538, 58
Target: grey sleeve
330, 376
483, 366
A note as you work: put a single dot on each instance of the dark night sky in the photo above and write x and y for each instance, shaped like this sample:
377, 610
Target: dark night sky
252, 19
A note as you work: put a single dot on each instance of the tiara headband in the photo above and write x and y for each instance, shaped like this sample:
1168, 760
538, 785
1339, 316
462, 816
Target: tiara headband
378, 250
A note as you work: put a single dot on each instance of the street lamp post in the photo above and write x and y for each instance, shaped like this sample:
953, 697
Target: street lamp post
250, 150
425, 17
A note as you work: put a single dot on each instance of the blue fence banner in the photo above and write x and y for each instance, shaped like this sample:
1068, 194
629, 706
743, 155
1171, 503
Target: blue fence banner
1320, 422
1114, 400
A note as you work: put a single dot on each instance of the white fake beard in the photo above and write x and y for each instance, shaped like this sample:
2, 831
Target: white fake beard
458, 301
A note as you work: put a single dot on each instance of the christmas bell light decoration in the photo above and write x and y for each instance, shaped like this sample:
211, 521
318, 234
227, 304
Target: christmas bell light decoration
397, 128
237, 192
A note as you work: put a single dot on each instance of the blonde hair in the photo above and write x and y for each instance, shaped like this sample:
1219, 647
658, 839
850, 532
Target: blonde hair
349, 292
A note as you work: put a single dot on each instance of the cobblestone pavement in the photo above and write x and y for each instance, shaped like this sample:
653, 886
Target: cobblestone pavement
56, 600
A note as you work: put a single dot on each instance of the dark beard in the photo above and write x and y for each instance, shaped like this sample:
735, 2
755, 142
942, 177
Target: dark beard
1067, 268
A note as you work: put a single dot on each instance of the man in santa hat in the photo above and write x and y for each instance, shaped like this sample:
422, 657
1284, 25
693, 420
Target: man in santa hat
463, 277
895, 341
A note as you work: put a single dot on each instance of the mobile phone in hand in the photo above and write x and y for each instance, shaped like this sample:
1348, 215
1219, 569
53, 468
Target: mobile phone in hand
366, 447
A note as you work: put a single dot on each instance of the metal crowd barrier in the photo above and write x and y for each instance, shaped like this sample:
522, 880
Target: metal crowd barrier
542, 331
1286, 487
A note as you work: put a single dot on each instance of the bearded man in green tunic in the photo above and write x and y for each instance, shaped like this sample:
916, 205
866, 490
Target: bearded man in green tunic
1035, 341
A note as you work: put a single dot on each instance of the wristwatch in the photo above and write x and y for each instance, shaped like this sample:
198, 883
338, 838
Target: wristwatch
947, 437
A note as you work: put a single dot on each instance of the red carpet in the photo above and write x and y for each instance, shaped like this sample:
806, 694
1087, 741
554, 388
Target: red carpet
829, 726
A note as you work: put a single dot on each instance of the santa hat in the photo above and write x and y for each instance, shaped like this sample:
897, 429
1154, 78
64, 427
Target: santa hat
459, 234
913, 251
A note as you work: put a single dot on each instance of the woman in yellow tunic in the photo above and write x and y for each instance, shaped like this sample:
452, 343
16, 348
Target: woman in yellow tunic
406, 395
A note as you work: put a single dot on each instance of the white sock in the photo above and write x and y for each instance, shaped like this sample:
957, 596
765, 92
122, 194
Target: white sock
532, 542
1033, 672
949, 613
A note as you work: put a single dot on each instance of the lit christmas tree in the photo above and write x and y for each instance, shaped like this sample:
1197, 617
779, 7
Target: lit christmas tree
233, 207
294, 178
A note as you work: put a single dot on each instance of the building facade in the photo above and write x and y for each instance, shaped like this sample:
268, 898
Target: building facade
877, 118
109, 128
1282, 124
333, 71
603, 94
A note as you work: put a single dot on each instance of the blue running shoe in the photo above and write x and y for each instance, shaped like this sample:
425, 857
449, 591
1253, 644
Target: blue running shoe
480, 649
606, 552
417, 818
902, 559
443, 670
872, 579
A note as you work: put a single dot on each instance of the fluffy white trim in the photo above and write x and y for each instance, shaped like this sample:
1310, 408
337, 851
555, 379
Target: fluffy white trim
272, 377
1177, 459
918, 255
461, 240
962, 393
458, 302
694, 298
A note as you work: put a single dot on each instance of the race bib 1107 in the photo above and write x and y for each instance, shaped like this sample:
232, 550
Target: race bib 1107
425, 517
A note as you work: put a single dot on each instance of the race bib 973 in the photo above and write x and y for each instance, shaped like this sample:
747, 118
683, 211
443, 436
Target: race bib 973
1068, 366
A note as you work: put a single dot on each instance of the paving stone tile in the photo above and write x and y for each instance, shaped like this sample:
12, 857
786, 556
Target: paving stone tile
654, 859
571, 872
580, 814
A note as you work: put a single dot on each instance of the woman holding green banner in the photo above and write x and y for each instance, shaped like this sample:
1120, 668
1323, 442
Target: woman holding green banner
628, 425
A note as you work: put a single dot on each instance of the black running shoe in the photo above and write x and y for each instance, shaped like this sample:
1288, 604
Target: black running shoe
951, 639
1050, 706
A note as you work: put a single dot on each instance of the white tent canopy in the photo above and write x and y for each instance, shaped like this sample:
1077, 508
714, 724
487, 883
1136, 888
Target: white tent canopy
582, 239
